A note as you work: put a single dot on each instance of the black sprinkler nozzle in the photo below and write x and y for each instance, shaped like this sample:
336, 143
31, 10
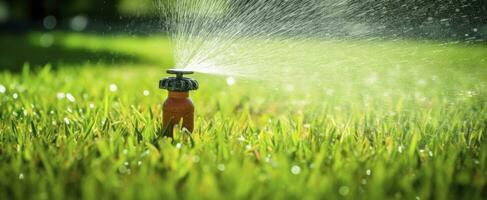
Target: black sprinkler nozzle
178, 83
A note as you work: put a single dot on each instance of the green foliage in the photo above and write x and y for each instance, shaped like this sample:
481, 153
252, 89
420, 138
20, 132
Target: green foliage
91, 129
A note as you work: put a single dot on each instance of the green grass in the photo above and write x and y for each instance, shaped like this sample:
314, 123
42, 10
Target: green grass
385, 130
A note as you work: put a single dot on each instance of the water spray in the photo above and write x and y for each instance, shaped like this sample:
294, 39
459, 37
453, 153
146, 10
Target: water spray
178, 107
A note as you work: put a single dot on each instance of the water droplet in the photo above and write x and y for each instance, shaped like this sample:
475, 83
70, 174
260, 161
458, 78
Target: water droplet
66, 121
60, 95
78, 23
295, 170
46, 40
221, 167
344, 190
230, 81
70, 97
49, 22
113, 88
2, 88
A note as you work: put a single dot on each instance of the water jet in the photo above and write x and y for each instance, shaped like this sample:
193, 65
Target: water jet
178, 107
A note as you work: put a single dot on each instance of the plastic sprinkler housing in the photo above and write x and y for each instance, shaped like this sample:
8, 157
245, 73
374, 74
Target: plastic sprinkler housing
178, 107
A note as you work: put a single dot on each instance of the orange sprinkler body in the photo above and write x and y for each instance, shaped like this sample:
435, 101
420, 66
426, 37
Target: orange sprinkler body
178, 107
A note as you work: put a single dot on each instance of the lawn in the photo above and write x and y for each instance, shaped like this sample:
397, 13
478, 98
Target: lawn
82, 118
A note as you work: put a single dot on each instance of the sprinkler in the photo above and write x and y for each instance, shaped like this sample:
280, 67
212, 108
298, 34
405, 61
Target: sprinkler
178, 107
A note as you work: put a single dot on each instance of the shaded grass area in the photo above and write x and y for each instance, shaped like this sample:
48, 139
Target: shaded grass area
370, 132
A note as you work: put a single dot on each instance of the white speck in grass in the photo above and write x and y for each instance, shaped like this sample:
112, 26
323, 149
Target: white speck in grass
125, 151
60, 95
430, 153
241, 139
344, 190
178, 145
139, 163
421, 151
2, 89
368, 172
146, 92
230, 81
399, 149
70, 97
66, 121
15, 95
295, 170
248, 147
15, 114
21, 176
221, 167
126, 163
54, 123
51, 112
69, 110
307, 126
92, 105
113, 87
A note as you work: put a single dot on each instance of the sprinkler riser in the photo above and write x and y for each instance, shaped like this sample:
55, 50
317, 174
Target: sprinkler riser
177, 109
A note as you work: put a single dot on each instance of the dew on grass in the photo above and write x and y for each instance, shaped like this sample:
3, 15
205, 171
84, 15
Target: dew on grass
221, 167
92, 105
399, 149
21, 176
60, 95
295, 170
248, 147
230, 81
66, 121
146, 92
54, 123
15, 95
430, 153
70, 97
139, 163
113, 87
179, 145
2, 88
368, 172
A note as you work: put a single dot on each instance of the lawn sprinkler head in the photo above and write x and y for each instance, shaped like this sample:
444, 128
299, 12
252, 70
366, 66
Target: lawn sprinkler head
178, 107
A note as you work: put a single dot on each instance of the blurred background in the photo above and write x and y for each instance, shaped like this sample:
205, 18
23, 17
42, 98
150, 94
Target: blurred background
41, 31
